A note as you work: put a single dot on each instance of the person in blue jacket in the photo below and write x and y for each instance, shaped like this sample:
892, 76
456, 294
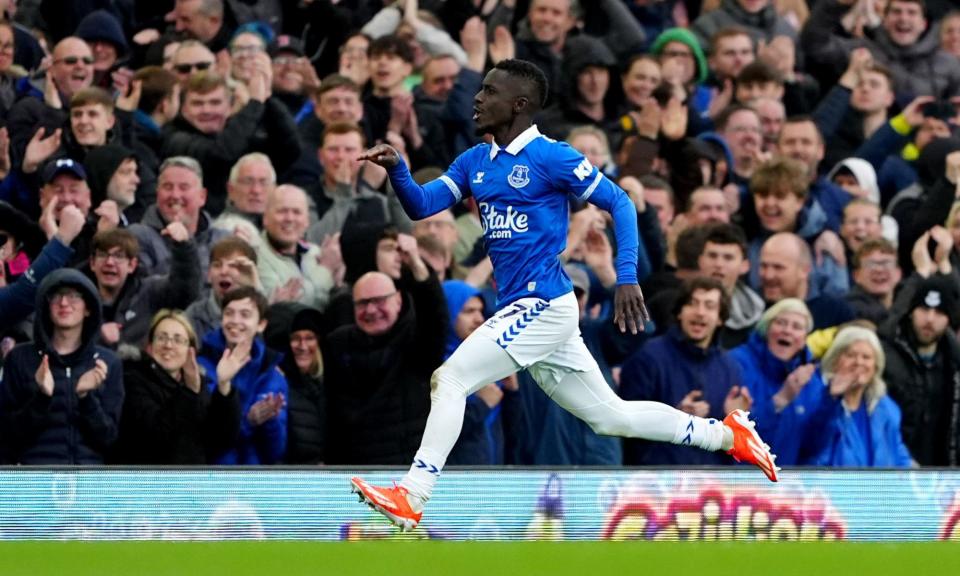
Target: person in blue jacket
782, 377
17, 296
863, 426
687, 369
235, 357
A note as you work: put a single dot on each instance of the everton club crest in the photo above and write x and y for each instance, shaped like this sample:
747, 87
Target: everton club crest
519, 177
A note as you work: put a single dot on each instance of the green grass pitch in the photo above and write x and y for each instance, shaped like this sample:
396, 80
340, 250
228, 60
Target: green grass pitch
475, 558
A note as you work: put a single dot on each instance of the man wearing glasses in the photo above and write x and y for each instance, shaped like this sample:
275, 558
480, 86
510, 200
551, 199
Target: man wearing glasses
71, 70
61, 395
192, 57
130, 298
378, 368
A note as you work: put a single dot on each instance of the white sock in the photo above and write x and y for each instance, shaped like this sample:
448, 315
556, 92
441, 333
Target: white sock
706, 433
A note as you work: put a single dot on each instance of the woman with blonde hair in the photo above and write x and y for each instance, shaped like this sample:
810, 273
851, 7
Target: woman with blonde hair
781, 374
863, 427
169, 416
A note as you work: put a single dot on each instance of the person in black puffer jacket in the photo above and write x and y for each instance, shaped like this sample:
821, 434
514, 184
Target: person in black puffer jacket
169, 415
61, 395
295, 330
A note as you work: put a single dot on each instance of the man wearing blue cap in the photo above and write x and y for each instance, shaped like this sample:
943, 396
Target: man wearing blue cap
65, 184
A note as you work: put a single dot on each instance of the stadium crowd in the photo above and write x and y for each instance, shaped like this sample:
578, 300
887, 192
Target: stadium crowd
197, 269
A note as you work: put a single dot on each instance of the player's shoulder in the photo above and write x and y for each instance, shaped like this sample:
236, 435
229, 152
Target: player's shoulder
476, 151
553, 149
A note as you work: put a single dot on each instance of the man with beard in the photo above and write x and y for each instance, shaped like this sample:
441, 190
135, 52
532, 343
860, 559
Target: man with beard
923, 371
522, 190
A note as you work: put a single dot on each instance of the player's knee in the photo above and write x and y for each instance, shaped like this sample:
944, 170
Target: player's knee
445, 381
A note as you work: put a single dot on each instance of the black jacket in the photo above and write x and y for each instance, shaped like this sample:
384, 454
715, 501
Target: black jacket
164, 422
257, 127
928, 394
378, 387
62, 428
306, 401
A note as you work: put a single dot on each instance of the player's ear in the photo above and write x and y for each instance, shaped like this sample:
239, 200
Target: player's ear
521, 104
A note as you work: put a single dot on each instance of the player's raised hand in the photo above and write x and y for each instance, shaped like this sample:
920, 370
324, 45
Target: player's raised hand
630, 312
382, 154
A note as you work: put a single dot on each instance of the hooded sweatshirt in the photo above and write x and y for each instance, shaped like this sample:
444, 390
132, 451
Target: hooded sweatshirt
763, 25
62, 428
306, 402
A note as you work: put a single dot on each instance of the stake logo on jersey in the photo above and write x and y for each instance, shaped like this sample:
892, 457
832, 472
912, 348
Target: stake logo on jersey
523, 196
519, 176
500, 223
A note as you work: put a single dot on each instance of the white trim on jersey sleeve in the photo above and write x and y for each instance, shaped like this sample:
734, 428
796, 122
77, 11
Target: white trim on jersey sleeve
592, 187
454, 189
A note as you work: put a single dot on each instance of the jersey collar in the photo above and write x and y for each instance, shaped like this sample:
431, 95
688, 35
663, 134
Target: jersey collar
518, 144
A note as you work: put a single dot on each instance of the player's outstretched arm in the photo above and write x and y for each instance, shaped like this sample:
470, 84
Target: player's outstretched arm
417, 201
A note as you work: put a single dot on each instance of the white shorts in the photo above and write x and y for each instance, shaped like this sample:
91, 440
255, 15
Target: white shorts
541, 332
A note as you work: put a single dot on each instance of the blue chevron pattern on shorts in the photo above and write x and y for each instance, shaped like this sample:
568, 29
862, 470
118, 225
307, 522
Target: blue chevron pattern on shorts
523, 320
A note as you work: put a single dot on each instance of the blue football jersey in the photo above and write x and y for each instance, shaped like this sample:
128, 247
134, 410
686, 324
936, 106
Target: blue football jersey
523, 194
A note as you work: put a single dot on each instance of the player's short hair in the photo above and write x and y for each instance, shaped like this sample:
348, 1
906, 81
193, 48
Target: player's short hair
243, 292
724, 234
536, 80
705, 283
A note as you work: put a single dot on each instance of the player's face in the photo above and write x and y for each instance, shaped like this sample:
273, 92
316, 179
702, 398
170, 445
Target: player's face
494, 103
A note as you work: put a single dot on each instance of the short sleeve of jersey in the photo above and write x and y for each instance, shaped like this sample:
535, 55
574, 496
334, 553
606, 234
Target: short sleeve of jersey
571, 172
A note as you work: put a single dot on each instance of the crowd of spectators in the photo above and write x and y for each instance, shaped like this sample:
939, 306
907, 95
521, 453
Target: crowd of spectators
197, 269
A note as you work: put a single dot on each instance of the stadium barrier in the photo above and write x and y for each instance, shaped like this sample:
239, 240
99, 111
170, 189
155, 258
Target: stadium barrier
487, 504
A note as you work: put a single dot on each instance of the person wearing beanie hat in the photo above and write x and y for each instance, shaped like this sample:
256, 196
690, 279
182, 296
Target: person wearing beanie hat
923, 367
103, 32
296, 331
683, 63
